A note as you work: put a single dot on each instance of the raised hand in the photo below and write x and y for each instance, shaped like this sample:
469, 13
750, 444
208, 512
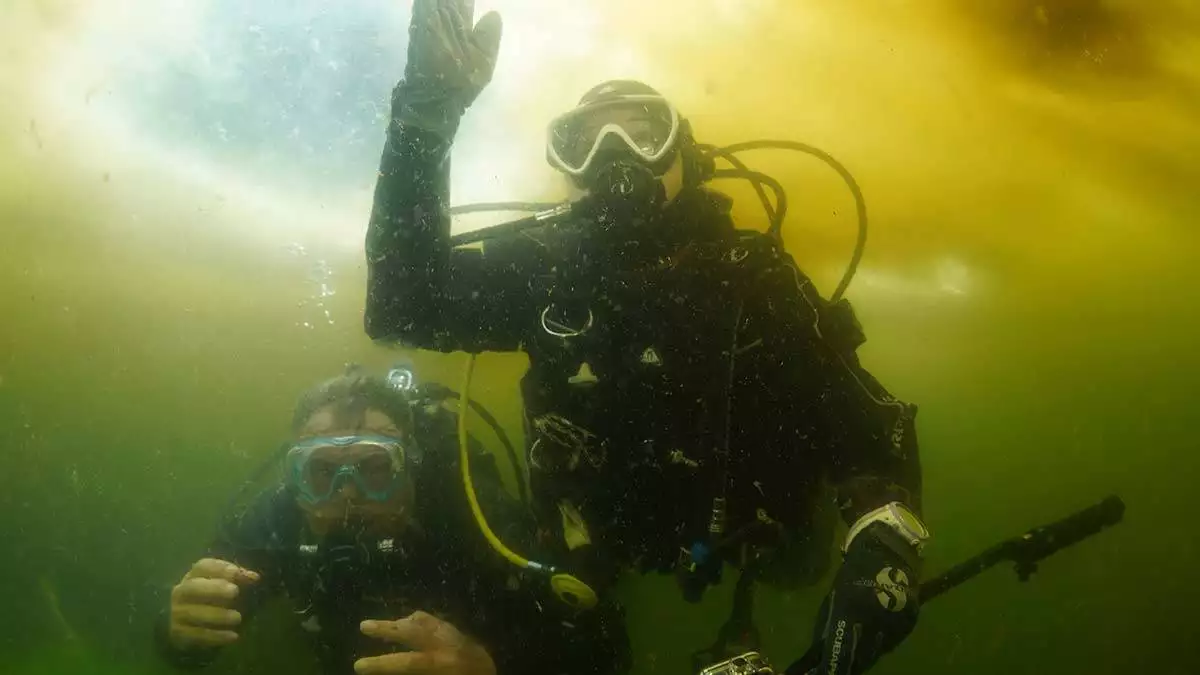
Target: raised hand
450, 61
202, 613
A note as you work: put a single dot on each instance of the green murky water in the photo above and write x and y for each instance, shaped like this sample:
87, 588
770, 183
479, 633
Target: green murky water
156, 323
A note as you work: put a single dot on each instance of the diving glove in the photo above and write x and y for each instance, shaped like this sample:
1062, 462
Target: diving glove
449, 63
873, 605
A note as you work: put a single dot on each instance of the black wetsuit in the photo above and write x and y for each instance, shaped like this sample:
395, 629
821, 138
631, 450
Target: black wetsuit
715, 370
442, 566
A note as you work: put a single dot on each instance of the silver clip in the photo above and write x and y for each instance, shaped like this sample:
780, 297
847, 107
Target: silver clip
562, 330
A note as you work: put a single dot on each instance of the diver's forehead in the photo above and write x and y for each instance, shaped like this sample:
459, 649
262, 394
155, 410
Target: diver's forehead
326, 422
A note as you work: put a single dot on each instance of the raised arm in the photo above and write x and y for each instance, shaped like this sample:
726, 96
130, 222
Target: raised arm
420, 291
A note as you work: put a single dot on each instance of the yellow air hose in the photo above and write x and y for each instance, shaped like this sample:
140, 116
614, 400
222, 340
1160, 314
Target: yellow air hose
569, 589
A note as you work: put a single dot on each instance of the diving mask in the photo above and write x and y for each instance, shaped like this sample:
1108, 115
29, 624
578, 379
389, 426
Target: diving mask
317, 468
643, 126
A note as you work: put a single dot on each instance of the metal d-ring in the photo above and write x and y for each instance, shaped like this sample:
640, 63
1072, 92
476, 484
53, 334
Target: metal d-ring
561, 330
534, 455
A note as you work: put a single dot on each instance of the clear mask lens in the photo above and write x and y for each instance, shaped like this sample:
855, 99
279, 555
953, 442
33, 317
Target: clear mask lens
319, 468
646, 126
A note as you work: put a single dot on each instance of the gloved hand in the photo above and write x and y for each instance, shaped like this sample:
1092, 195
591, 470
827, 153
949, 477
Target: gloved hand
873, 605
449, 64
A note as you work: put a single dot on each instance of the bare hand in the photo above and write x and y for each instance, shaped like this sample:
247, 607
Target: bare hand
201, 604
440, 649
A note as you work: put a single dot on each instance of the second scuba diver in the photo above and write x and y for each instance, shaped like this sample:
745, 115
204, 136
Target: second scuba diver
691, 399
371, 539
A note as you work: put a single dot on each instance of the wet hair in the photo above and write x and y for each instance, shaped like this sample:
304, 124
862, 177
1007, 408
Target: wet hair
350, 396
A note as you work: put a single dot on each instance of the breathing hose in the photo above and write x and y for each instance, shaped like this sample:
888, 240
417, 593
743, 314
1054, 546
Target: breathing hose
771, 211
549, 212
860, 204
486, 207
569, 589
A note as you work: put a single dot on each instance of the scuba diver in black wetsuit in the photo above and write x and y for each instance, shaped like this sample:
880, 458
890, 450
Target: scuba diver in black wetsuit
691, 399
370, 536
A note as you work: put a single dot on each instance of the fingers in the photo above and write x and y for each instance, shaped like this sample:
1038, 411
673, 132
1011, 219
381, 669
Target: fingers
202, 626
439, 20
213, 568
439, 648
193, 636
395, 664
419, 631
205, 592
205, 616
486, 35
423, 10
463, 10
200, 613
454, 28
